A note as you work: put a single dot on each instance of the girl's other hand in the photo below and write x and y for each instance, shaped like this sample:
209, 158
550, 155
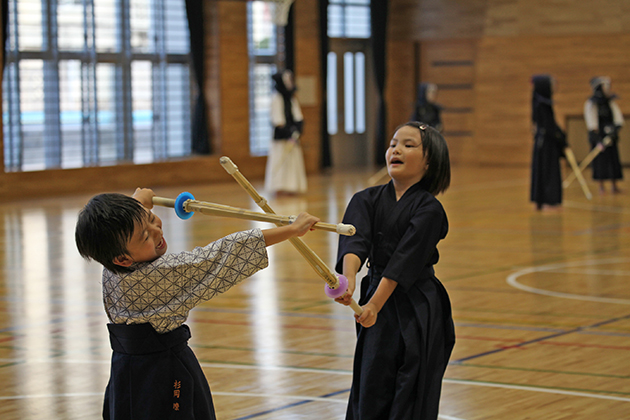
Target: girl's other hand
369, 315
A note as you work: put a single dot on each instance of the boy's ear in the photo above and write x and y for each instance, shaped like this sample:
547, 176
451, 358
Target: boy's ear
123, 260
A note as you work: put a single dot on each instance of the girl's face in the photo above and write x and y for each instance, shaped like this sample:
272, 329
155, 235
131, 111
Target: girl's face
405, 158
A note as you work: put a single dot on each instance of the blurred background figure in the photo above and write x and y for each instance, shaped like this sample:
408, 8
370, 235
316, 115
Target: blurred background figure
426, 109
603, 121
285, 172
549, 145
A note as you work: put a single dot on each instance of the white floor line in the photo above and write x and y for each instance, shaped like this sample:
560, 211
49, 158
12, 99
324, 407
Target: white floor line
536, 389
280, 396
336, 372
280, 368
512, 280
595, 207
66, 395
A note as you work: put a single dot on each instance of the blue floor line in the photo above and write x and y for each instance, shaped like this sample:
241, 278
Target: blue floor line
295, 404
537, 340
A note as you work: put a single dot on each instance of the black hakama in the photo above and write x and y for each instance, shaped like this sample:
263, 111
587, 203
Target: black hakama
155, 376
400, 361
607, 164
549, 145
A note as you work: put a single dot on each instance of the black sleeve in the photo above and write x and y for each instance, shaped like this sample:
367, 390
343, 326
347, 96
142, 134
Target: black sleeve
593, 138
282, 133
359, 213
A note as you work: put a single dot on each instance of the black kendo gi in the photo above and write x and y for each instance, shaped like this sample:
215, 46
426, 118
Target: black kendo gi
549, 145
399, 362
425, 111
607, 164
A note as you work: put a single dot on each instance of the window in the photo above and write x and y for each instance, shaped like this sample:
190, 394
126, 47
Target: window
348, 21
349, 18
263, 54
80, 91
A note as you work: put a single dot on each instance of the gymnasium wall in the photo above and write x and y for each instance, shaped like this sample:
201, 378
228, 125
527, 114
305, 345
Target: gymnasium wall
482, 54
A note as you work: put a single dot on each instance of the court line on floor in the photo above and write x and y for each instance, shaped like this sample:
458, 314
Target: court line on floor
540, 339
63, 395
536, 389
301, 399
548, 390
594, 207
512, 280
300, 402
552, 371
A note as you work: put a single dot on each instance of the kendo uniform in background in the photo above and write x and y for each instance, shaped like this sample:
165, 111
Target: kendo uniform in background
425, 109
399, 362
154, 373
285, 171
549, 144
604, 118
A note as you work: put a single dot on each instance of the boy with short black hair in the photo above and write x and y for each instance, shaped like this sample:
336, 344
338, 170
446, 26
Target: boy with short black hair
148, 294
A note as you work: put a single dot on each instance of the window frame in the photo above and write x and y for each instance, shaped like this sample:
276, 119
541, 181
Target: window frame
122, 60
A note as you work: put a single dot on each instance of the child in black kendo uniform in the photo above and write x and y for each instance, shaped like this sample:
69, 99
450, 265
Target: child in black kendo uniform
405, 334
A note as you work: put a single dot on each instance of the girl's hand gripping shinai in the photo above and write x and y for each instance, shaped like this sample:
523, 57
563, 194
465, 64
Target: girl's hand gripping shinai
351, 266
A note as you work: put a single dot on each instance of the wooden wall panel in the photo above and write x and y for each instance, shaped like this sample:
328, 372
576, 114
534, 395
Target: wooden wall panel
308, 65
400, 92
558, 17
234, 71
457, 98
503, 90
508, 42
443, 19
213, 73
451, 65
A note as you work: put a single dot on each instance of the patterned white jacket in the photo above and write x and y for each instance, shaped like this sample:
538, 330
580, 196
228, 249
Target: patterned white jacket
163, 292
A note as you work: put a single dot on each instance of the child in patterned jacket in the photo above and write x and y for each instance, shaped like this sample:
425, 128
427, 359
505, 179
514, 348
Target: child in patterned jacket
148, 294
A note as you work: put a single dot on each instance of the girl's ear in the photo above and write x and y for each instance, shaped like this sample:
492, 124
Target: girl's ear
123, 260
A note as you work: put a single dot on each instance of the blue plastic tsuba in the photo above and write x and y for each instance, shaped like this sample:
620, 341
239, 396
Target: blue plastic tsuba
179, 205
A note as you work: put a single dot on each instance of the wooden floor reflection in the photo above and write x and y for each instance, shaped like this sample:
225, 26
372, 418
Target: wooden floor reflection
541, 304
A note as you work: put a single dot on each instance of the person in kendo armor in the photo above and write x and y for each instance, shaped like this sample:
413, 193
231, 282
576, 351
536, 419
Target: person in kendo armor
285, 172
426, 110
603, 121
549, 144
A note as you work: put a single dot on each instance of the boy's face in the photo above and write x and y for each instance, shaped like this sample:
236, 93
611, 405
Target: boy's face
146, 243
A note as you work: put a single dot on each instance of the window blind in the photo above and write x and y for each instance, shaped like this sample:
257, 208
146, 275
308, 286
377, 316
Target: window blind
96, 82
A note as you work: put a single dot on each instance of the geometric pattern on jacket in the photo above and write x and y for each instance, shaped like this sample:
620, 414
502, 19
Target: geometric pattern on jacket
163, 292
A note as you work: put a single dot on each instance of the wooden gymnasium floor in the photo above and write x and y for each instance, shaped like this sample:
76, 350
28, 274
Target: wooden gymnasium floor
541, 305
